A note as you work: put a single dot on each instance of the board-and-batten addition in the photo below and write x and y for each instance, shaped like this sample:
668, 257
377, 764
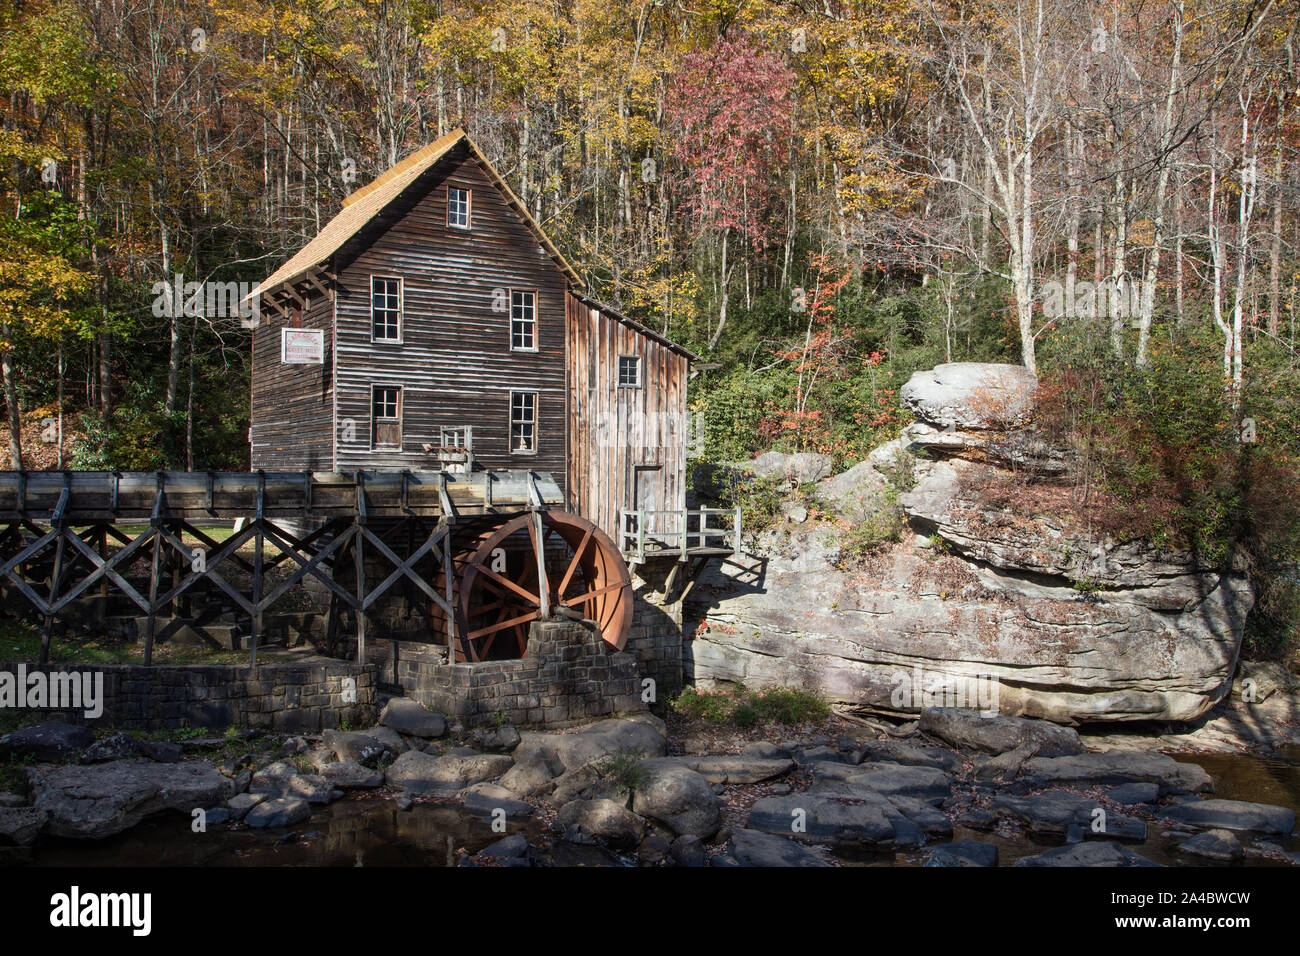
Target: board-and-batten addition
444, 317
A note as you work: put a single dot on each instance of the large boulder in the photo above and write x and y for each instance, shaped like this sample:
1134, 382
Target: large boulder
673, 794
419, 772
609, 822
971, 394
640, 734
98, 800
409, 717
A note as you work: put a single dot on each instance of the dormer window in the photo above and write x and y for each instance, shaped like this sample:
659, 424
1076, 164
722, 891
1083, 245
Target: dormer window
385, 309
457, 207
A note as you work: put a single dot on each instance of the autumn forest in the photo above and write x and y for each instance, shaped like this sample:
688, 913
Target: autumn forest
816, 198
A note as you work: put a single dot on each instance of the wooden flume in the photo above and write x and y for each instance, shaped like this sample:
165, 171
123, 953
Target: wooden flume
66, 533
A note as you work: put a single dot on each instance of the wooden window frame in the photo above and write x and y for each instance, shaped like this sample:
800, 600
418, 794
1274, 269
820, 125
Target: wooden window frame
469, 208
374, 419
618, 372
535, 347
401, 309
536, 422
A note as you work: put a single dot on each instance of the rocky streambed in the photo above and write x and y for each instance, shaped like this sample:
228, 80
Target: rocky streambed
953, 788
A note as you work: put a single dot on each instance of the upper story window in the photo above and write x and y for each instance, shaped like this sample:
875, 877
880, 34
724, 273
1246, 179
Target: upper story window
457, 207
385, 309
523, 321
523, 423
629, 371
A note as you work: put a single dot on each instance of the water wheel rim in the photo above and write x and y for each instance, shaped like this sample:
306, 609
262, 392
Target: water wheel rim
608, 598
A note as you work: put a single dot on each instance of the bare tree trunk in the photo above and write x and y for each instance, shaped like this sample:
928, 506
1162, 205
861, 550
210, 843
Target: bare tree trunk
11, 403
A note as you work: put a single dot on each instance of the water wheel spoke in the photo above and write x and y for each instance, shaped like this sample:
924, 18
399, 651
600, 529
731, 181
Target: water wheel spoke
502, 625
484, 570
573, 565
592, 595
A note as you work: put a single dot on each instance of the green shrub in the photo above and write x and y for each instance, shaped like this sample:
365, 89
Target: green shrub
743, 708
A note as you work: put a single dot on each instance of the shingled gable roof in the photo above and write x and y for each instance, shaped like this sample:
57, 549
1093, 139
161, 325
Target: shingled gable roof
364, 204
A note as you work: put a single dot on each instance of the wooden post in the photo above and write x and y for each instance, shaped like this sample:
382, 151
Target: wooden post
684, 524
259, 542
543, 586
736, 544
640, 536
447, 573
359, 562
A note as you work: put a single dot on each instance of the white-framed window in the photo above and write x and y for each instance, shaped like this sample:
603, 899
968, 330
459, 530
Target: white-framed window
458, 207
385, 416
629, 371
385, 309
523, 423
523, 321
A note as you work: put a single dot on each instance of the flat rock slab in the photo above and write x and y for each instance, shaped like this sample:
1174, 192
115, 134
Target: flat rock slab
512, 847
887, 779
972, 730
868, 819
964, 853
1218, 845
676, 796
756, 848
278, 812
98, 800
419, 772
908, 754
1056, 812
409, 717
1232, 815
728, 769
642, 734
1132, 794
1119, 767
51, 741
1087, 854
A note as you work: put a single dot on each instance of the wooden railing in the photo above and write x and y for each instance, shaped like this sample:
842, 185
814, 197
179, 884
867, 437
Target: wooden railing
653, 532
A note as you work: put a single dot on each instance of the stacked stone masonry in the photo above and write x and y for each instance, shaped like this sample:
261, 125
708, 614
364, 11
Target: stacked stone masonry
295, 697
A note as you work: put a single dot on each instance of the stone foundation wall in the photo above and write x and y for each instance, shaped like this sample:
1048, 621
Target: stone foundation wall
656, 636
292, 697
566, 676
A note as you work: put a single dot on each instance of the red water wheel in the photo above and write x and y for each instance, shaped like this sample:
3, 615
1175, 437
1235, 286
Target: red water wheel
498, 582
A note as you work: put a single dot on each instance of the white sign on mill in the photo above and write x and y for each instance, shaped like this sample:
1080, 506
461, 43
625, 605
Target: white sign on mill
302, 346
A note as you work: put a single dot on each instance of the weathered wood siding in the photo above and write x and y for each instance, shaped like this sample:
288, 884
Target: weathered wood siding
454, 363
617, 432
292, 405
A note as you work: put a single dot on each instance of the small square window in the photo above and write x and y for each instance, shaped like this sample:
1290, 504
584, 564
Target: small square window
523, 423
457, 207
629, 371
523, 321
385, 309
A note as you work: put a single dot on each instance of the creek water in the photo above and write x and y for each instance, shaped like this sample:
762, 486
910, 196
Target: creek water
369, 831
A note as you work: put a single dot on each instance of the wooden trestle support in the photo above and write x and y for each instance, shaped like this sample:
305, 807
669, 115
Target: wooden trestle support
65, 533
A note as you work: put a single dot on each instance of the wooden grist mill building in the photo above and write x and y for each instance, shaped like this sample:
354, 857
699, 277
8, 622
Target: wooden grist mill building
433, 330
